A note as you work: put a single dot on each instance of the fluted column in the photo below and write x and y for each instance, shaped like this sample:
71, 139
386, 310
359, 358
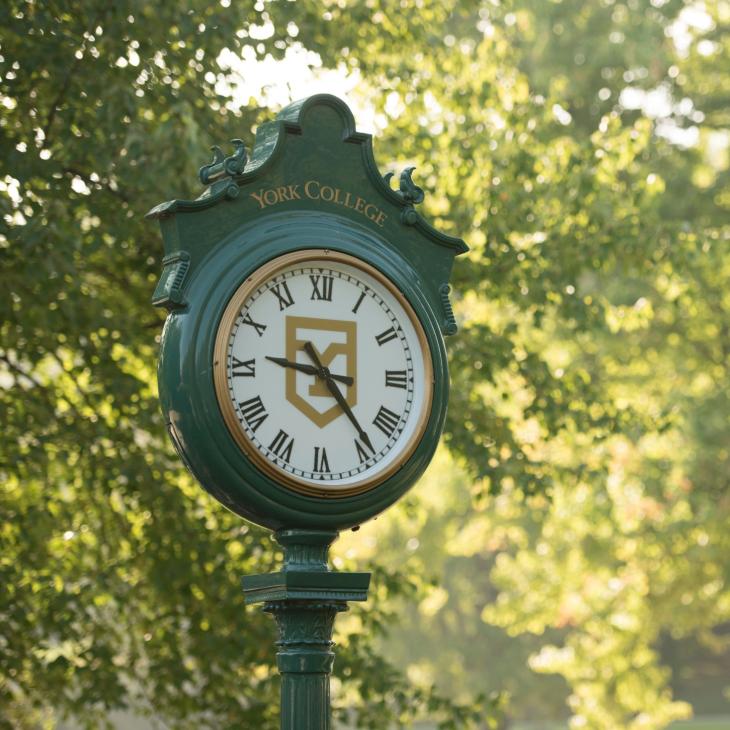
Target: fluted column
304, 598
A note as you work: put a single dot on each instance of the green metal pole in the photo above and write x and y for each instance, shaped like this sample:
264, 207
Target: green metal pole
305, 660
304, 598
305, 656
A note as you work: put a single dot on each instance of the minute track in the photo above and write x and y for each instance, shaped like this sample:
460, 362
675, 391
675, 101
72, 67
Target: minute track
359, 376
393, 332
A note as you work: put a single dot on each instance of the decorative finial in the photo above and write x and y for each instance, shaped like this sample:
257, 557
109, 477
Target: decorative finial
237, 161
221, 166
411, 193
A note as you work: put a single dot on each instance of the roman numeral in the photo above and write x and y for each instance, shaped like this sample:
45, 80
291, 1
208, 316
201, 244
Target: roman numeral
282, 445
282, 293
395, 378
358, 303
387, 336
325, 292
362, 455
243, 368
254, 412
258, 327
320, 459
386, 421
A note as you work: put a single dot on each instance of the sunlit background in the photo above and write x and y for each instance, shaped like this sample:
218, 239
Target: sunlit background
565, 560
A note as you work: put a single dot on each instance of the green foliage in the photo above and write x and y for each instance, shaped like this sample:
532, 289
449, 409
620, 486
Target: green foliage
121, 578
591, 372
589, 379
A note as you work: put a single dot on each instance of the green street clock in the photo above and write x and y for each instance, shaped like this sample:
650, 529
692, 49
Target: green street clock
302, 369
303, 373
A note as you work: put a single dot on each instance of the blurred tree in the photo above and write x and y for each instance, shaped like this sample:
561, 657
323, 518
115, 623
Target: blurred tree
590, 377
121, 578
591, 373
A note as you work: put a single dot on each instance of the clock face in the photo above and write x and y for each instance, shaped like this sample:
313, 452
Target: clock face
323, 373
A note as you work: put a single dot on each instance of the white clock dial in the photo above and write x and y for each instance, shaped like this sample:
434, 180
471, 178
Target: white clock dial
323, 373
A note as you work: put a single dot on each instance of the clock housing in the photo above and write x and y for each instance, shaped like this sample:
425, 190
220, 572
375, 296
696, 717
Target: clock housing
309, 193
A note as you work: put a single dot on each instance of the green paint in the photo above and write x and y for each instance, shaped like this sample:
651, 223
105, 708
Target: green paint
304, 598
311, 182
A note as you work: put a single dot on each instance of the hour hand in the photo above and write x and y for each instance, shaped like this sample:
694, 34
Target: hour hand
309, 369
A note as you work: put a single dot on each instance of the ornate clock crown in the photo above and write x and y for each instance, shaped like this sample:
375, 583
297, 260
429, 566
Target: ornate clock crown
274, 179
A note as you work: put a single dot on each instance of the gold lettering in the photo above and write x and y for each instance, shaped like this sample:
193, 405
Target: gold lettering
371, 207
314, 190
259, 197
307, 191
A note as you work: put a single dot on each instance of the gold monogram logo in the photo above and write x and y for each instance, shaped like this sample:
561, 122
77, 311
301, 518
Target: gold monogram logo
336, 343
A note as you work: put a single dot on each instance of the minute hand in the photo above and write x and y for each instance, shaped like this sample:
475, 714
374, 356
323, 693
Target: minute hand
332, 387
